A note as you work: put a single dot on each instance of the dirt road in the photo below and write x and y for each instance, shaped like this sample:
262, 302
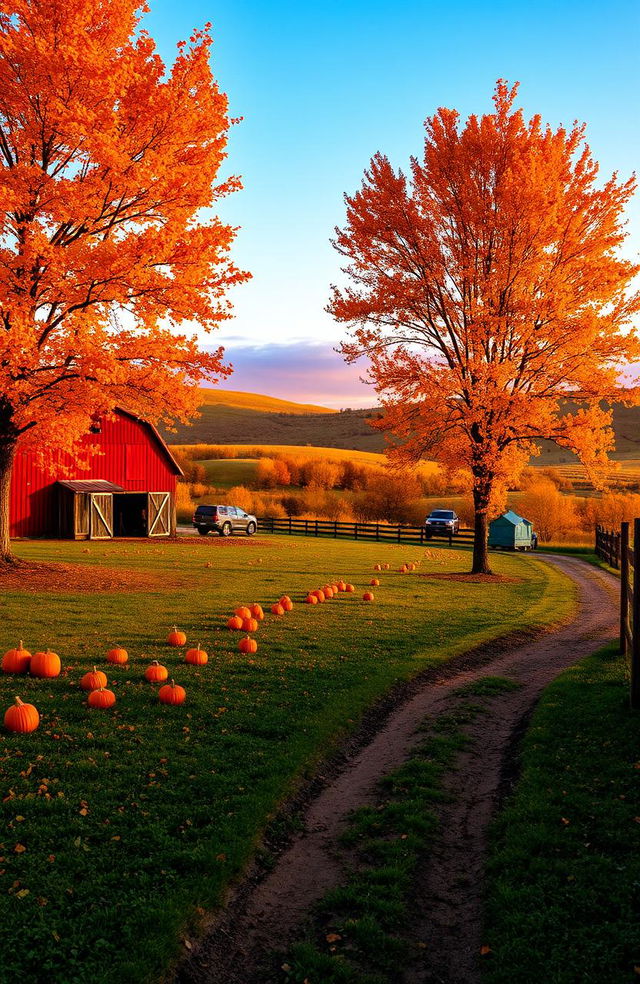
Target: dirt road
449, 891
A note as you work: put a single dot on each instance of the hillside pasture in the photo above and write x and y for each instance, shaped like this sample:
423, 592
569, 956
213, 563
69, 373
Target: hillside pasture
258, 401
150, 811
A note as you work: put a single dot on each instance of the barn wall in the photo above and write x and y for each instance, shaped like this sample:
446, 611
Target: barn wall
128, 455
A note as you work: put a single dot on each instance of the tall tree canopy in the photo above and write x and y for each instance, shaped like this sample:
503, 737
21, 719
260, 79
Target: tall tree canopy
108, 166
486, 287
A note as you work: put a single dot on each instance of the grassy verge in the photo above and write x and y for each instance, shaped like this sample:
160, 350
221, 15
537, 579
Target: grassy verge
564, 889
358, 933
148, 811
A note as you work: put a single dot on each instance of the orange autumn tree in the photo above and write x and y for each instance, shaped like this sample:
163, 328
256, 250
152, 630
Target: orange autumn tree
485, 288
109, 165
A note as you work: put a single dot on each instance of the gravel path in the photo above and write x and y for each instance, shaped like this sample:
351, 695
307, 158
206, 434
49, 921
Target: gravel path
449, 893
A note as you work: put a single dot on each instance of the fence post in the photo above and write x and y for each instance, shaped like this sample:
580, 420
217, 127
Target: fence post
377, 532
624, 586
635, 607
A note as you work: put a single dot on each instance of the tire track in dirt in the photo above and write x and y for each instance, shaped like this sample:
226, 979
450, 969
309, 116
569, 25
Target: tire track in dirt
449, 891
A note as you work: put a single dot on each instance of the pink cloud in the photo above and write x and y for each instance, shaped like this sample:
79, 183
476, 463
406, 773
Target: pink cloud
305, 372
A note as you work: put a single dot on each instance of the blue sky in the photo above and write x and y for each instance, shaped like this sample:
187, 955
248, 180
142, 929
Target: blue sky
322, 86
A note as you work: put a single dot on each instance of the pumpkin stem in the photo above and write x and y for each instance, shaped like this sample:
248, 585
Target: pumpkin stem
20, 646
19, 702
173, 682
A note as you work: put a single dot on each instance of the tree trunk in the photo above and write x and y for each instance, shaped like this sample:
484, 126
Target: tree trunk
8, 443
480, 549
482, 488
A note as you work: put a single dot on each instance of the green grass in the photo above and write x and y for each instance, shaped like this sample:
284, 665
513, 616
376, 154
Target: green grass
564, 879
135, 820
358, 933
226, 473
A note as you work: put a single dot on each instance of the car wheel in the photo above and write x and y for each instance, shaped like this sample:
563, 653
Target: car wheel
202, 532
226, 529
251, 528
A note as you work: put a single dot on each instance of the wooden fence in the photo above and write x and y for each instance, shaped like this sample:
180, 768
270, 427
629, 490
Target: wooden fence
608, 546
630, 605
378, 532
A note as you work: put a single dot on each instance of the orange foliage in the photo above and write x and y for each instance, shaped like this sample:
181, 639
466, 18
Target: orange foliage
108, 161
485, 287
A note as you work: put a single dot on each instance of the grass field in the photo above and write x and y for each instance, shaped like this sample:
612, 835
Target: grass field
122, 828
564, 880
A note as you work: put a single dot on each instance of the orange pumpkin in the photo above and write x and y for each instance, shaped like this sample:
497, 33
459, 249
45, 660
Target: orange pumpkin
171, 693
21, 718
257, 612
386, 567
335, 588
327, 591
156, 672
377, 567
248, 645
250, 624
286, 603
235, 622
368, 596
277, 609
374, 582
176, 638
319, 594
45, 665
349, 588
197, 656
342, 586
93, 681
243, 612
311, 599
16, 660
101, 698
118, 655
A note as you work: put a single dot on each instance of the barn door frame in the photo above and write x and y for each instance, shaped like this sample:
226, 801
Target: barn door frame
159, 514
101, 516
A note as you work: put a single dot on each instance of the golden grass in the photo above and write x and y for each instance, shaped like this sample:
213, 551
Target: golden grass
257, 401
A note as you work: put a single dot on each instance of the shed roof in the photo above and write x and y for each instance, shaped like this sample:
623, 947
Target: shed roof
512, 517
91, 485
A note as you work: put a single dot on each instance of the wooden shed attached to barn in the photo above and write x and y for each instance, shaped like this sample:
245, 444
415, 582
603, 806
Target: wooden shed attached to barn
127, 489
511, 532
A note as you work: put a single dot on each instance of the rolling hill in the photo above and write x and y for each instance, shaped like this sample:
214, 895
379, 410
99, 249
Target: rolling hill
248, 418
257, 401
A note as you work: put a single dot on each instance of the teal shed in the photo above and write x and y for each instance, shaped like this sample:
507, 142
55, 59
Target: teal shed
510, 532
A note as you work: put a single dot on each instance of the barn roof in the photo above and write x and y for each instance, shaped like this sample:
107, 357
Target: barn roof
155, 435
91, 485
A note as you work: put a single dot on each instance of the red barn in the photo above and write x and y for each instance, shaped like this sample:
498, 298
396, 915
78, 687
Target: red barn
128, 488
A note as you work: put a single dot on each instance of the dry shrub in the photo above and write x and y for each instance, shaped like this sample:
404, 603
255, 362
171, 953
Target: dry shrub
241, 497
198, 489
321, 473
266, 474
611, 509
554, 516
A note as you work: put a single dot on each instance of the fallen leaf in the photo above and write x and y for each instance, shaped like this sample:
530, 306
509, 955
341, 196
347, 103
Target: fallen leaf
333, 937
19, 849
484, 950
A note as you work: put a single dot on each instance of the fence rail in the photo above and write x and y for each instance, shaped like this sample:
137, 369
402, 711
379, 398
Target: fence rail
630, 605
378, 532
608, 546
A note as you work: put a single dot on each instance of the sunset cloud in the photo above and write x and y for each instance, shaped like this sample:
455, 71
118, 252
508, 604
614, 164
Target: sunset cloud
303, 371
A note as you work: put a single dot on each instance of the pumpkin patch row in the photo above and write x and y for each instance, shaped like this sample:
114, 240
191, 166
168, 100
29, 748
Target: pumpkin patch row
24, 718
